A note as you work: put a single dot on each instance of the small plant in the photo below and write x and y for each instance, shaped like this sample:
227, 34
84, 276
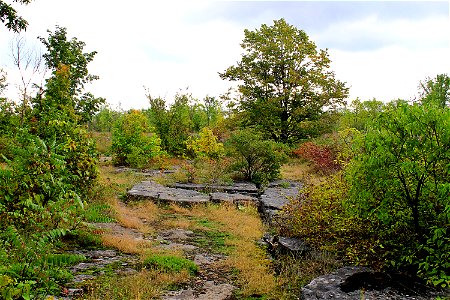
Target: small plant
170, 263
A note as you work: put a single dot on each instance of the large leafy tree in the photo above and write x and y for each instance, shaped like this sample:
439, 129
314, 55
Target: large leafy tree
64, 53
9, 16
285, 81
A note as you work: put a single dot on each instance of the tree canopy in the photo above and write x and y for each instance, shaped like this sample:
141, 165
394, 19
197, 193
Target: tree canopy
285, 81
9, 16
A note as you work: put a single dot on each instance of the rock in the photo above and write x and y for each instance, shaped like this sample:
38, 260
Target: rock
176, 234
190, 186
210, 291
207, 258
237, 199
292, 245
150, 190
281, 245
245, 188
350, 283
276, 196
145, 190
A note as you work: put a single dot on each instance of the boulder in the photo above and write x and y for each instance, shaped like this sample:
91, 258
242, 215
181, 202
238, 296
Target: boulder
350, 283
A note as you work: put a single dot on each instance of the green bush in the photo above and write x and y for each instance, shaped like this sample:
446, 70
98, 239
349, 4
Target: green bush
400, 180
256, 159
133, 143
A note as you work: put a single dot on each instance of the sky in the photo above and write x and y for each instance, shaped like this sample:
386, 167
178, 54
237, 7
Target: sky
382, 49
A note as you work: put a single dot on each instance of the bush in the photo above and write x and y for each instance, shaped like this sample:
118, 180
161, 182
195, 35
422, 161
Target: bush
400, 182
206, 145
323, 157
133, 143
255, 159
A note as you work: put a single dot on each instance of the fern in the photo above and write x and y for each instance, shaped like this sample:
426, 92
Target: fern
64, 259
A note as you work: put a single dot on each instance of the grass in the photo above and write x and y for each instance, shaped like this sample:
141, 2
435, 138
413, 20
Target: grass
170, 264
145, 284
300, 170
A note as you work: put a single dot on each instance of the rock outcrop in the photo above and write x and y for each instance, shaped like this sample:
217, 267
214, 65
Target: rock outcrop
351, 283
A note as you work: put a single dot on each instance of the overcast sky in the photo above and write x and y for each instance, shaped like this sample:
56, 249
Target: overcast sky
382, 49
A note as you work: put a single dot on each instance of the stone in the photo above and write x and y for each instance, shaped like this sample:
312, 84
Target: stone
176, 234
237, 199
150, 190
276, 196
210, 291
350, 283
293, 245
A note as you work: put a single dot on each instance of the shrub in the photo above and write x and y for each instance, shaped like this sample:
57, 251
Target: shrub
206, 145
255, 159
133, 143
323, 157
400, 185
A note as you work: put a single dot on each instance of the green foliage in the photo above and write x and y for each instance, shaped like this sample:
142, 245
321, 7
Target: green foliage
133, 143
360, 114
51, 169
256, 159
286, 81
9, 15
185, 117
400, 185
68, 54
436, 91
206, 145
103, 121
170, 263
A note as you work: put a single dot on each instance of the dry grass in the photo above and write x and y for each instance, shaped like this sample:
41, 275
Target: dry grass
245, 228
125, 243
146, 284
299, 170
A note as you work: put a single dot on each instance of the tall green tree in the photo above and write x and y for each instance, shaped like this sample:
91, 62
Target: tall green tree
285, 81
64, 52
9, 16
436, 90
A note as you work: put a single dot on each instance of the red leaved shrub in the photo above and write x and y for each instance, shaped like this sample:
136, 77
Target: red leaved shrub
323, 157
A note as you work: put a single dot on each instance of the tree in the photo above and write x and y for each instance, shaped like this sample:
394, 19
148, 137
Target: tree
437, 90
284, 81
9, 15
29, 62
63, 52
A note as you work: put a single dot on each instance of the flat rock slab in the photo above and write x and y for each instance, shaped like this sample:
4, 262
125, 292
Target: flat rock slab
220, 197
236, 188
277, 195
210, 291
351, 283
156, 192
